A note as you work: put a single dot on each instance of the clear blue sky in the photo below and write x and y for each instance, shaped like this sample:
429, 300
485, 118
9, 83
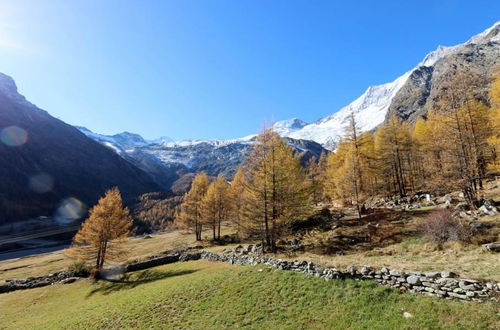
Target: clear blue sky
217, 69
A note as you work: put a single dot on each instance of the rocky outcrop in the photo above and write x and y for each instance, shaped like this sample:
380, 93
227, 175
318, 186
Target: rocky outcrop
479, 56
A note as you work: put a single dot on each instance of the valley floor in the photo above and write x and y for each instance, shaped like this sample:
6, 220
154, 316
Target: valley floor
211, 295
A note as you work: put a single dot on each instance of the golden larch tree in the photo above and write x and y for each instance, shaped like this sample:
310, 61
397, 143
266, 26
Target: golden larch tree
217, 205
190, 215
278, 191
102, 233
238, 197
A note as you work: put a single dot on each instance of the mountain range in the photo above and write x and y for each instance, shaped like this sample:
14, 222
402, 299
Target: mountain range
44, 161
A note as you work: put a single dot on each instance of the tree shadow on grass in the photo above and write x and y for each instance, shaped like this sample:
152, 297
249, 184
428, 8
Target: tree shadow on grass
130, 281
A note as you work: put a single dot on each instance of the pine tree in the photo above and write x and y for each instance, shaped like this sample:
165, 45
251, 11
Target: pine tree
190, 211
101, 235
217, 205
278, 193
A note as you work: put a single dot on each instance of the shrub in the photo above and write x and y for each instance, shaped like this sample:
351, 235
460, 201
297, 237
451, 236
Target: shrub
80, 268
442, 226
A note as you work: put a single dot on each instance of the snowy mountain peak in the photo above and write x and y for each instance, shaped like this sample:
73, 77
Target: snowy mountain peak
372, 106
287, 126
118, 141
161, 140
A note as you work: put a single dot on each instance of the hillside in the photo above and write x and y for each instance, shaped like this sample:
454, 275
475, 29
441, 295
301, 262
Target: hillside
44, 162
209, 295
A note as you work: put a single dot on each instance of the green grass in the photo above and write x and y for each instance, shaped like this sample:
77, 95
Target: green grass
206, 295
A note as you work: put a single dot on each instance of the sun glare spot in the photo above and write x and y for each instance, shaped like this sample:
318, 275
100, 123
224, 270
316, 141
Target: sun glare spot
41, 183
71, 209
13, 136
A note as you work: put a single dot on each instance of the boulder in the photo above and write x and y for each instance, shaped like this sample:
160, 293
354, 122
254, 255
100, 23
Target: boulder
413, 280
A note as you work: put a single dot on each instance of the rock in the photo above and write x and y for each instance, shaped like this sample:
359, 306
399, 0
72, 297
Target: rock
68, 280
483, 210
448, 274
446, 205
407, 315
365, 270
413, 280
492, 247
397, 273
432, 274
476, 225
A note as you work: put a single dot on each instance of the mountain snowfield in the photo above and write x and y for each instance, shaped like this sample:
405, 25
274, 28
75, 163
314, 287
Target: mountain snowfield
370, 109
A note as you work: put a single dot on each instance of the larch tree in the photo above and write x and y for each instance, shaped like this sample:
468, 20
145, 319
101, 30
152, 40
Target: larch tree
350, 171
102, 233
190, 215
494, 139
316, 171
278, 192
465, 125
217, 205
238, 195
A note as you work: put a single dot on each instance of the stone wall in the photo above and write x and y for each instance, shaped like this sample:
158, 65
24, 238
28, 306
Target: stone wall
437, 284
61, 277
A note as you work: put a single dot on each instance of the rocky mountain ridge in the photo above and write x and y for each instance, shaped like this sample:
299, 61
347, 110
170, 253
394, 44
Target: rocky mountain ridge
412, 94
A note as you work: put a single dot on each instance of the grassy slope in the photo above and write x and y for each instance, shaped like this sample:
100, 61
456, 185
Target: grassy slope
209, 295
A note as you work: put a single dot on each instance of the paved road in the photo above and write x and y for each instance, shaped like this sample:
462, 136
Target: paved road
29, 252
28, 236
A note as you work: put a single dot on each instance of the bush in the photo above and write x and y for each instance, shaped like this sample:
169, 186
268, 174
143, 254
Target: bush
80, 268
441, 226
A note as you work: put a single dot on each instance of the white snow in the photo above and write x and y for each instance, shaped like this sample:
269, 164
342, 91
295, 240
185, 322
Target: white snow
371, 108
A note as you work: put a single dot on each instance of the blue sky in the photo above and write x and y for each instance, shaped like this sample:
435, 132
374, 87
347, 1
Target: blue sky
217, 69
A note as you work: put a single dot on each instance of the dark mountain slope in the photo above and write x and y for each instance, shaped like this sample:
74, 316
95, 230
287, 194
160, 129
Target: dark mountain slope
56, 162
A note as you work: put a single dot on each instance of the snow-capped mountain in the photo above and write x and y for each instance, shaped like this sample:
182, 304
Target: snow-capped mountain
409, 96
372, 107
167, 162
288, 126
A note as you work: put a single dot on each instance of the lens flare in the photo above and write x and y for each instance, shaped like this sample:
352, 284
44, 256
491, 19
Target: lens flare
113, 274
13, 136
71, 209
41, 183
